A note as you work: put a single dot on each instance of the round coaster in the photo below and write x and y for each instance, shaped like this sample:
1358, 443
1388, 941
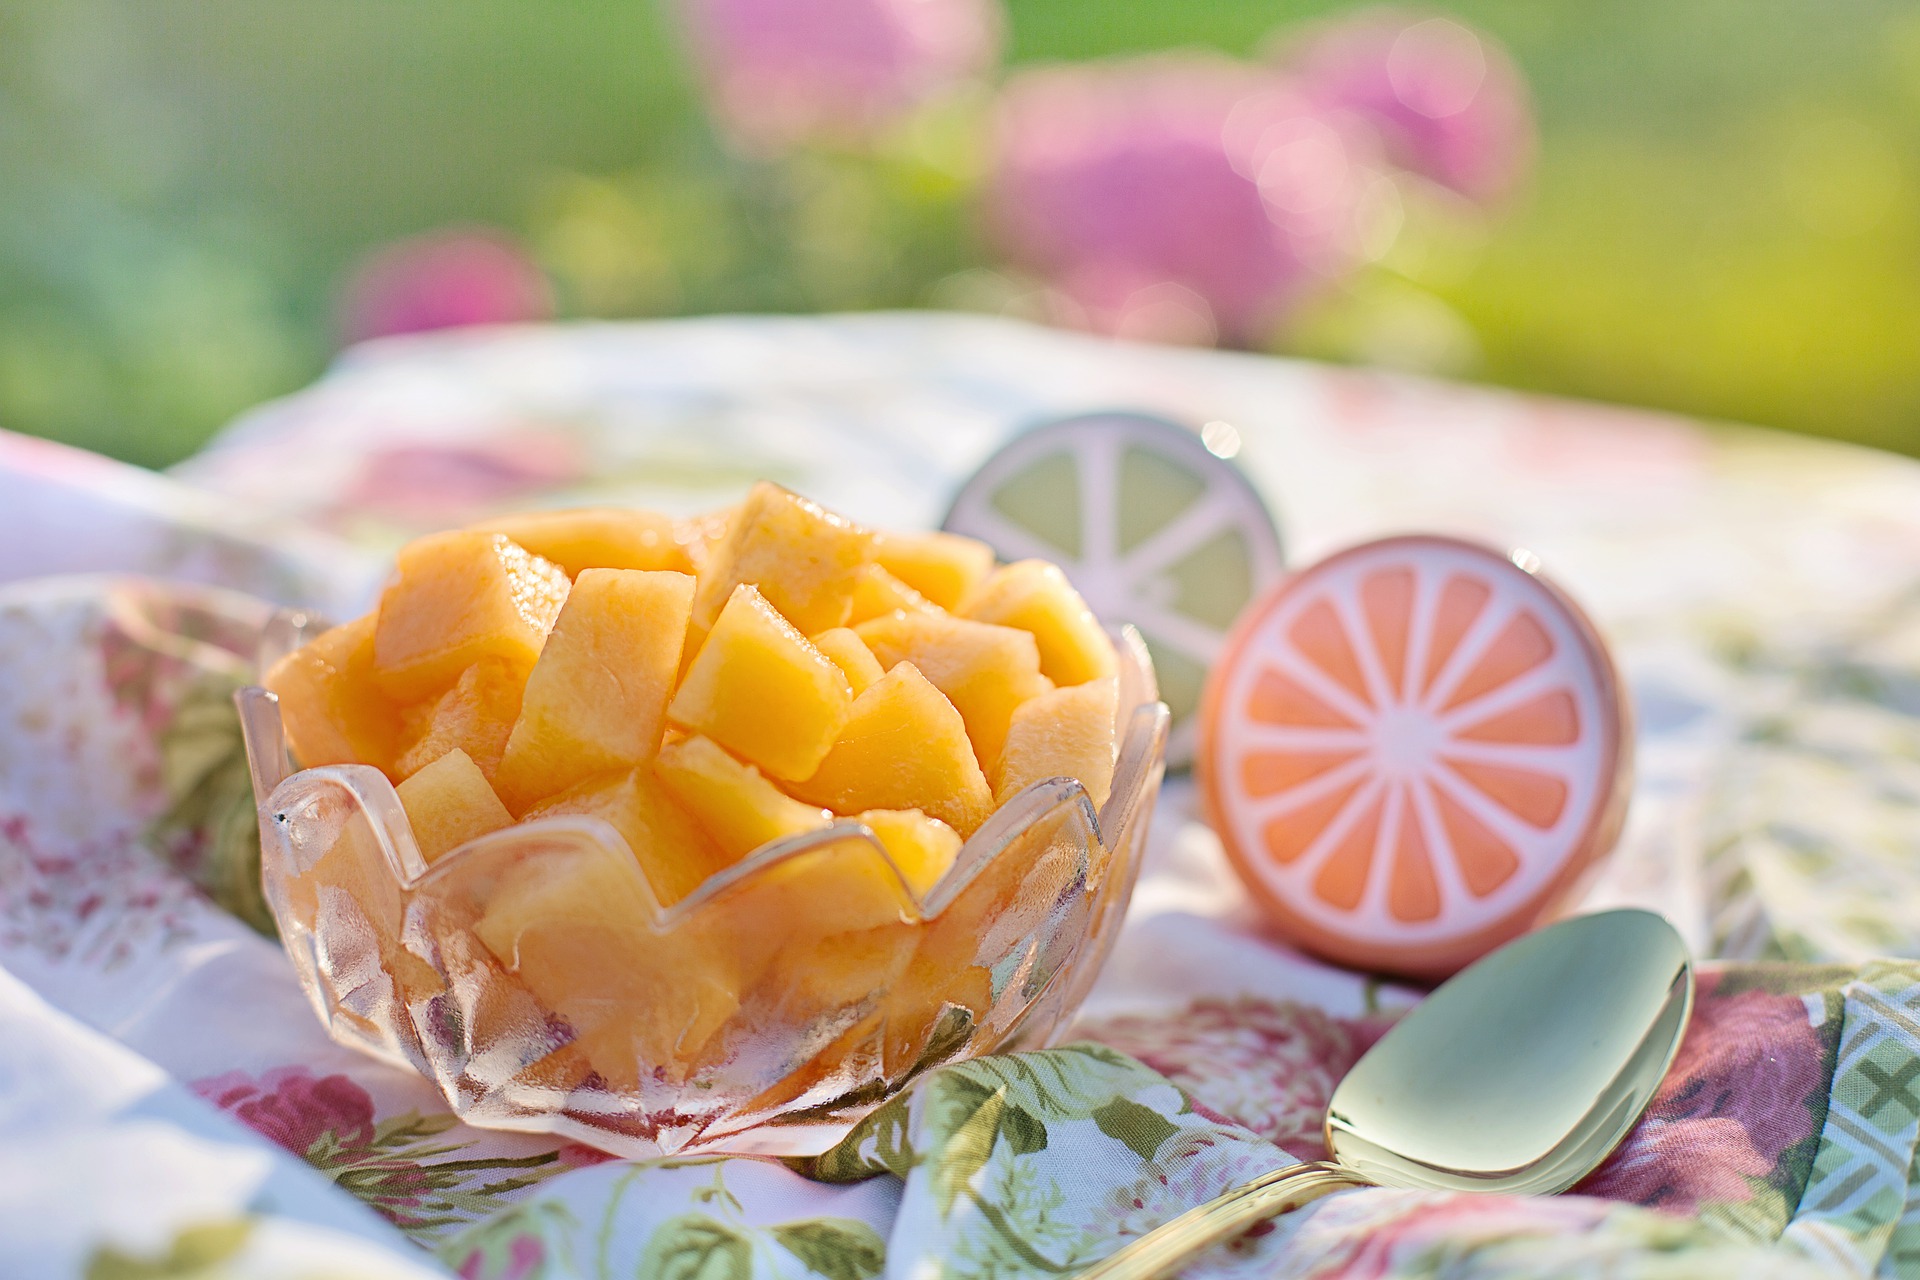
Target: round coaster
1413, 748
1152, 524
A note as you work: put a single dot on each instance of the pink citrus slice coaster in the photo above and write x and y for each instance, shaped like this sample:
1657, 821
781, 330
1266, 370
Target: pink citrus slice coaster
1411, 750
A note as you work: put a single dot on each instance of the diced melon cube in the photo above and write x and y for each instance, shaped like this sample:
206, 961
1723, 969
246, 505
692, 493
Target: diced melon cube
449, 803
457, 598
943, 567
849, 652
921, 847
578, 931
841, 886
674, 851
941, 974
699, 535
1067, 733
761, 690
877, 593
803, 558
985, 670
595, 538
475, 716
596, 700
904, 747
1036, 596
737, 806
826, 977
331, 707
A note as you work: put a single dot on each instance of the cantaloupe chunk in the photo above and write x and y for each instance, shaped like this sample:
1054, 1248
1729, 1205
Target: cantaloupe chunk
577, 930
596, 700
943, 567
761, 690
804, 559
1066, 733
877, 593
674, 851
448, 803
475, 716
699, 535
595, 538
730, 799
849, 652
985, 670
904, 747
457, 598
332, 709
826, 976
1036, 596
922, 848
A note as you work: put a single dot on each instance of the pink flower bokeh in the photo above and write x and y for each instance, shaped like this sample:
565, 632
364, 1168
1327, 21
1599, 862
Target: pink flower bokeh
1176, 197
294, 1107
784, 72
1446, 100
443, 280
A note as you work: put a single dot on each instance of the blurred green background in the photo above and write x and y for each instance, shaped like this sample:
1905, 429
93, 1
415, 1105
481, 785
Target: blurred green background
1724, 220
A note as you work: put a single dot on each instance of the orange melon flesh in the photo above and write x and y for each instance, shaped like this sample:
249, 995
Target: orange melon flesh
762, 691
736, 806
458, 598
595, 538
596, 699
849, 652
985, 670
877, 593
577, 929
943, 567
804, 559
699, 535
904, 747
922, 848
331, 708
1066, 733
1035, 596
449, 803
673, 850
475, 716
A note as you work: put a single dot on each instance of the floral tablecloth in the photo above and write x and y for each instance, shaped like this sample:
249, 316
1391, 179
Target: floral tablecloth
169, 1105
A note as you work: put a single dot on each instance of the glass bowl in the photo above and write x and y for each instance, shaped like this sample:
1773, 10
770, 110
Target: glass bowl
533, 976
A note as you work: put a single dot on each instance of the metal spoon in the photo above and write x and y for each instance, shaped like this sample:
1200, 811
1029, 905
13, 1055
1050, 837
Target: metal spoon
1518, 1075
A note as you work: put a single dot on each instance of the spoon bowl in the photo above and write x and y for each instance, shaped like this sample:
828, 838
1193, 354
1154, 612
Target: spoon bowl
1518, 1075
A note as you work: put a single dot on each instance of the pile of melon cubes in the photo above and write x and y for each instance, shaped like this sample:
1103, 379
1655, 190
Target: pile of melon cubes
706, 687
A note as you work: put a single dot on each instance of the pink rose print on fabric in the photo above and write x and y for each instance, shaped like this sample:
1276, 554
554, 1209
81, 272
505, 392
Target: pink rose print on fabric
1270, 1066
1176, 198
1736, 1099
1395, 1233
780, 73
1446, 101
294, 1107
443, 280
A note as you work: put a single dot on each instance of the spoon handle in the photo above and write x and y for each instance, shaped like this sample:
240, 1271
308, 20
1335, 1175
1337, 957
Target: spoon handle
1173, 1244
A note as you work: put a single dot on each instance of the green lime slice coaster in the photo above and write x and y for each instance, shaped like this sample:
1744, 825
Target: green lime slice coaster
1151, 522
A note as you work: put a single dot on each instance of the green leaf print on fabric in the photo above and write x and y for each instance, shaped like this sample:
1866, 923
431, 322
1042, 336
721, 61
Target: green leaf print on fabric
1142, 1129
837, 1248
693, 1246
209, 831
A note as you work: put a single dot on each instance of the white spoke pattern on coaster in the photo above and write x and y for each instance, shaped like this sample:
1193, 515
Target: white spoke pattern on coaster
1167, 536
